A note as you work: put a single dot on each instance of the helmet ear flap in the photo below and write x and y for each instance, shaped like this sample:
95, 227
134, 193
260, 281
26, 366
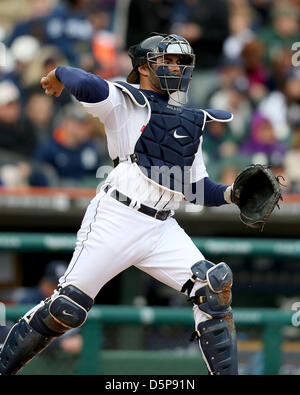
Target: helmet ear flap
134, 77
132, 52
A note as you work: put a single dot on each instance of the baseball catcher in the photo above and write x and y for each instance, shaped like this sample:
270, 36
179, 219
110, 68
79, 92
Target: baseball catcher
155, 143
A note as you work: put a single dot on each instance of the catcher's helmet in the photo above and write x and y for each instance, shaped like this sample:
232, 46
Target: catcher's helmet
158, 45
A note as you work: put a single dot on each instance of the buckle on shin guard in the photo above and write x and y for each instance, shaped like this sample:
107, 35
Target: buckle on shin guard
189, 284
197, 299
195, 335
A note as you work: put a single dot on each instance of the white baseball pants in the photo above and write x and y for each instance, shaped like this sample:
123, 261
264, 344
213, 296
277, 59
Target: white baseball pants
113, 236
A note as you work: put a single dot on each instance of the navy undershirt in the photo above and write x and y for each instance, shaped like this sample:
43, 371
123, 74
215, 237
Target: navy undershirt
86, 87
90, 88
211, 194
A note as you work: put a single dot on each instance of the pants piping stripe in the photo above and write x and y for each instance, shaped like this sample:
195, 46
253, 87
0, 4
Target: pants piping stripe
87, 236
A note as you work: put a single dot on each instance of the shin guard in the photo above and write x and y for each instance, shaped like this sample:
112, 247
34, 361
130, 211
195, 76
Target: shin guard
21, 345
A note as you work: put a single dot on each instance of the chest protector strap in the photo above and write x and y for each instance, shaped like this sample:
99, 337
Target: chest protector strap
135, 95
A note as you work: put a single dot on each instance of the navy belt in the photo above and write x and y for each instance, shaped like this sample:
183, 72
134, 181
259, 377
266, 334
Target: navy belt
162, 215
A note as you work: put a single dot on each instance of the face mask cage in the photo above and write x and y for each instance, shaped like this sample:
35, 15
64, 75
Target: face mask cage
173, 77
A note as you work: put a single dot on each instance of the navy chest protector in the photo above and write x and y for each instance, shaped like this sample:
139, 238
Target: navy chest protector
166, 148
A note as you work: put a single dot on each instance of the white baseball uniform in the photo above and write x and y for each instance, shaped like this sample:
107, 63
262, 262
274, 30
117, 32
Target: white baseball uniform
113, 236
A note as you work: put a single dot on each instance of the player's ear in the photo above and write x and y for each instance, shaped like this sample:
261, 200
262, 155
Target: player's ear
144, 70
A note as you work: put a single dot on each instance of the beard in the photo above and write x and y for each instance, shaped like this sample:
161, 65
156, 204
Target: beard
155, 83
176, 96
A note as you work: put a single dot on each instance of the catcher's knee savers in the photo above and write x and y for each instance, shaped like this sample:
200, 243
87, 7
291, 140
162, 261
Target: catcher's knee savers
66, 310
216, 336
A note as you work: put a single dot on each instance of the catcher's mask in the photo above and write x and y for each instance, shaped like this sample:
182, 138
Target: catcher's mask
160, 46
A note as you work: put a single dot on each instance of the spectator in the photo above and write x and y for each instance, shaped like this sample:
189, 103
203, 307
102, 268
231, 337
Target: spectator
282, 108
263, 140
71, 150
292, 95
65, 26
40, 110
240, 22
105, 45
283, 32
48, 58
23, 51
218, 143
230, 70
221, 152
33, 22
47, 284
279, 69
68, 28
233, 95
16, 130
257, 72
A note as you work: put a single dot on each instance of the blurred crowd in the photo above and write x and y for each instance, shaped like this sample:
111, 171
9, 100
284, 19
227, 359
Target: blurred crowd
247, 62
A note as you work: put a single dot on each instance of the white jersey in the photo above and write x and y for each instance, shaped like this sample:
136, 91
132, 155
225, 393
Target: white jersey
123, 122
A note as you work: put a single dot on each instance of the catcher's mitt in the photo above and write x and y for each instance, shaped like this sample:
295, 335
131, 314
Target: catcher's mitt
256, 191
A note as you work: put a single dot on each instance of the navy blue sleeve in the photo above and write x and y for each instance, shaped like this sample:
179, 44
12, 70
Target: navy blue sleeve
206, 192
86, 87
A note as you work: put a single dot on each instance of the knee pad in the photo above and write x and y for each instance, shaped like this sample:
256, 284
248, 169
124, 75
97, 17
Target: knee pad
214, 297
65, 311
